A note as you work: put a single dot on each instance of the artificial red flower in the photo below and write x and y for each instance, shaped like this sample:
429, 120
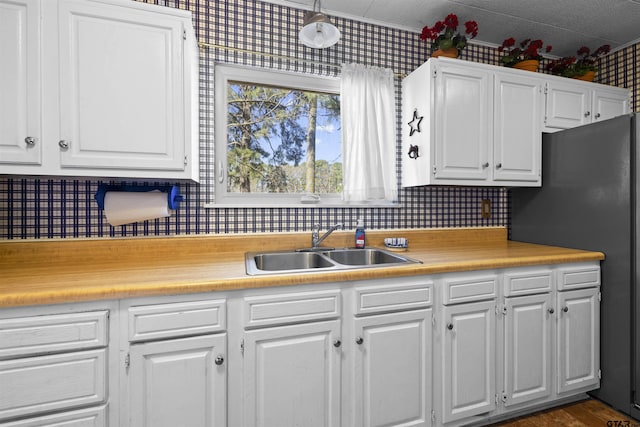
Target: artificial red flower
443, 33
451, 21
471, 27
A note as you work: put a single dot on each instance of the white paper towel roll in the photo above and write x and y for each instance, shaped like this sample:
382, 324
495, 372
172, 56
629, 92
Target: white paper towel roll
124, 207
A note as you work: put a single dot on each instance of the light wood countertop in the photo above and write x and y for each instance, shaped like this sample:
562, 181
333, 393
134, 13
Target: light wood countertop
48, 272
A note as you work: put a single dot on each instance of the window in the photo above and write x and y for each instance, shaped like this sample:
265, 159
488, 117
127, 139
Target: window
278, 138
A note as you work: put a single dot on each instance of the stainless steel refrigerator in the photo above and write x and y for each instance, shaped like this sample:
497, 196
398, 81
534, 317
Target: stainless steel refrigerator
589, 200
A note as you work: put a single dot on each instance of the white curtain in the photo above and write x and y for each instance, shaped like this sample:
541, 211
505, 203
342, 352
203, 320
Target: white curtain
367, 104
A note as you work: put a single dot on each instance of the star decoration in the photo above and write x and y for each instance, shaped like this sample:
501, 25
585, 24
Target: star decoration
415, 123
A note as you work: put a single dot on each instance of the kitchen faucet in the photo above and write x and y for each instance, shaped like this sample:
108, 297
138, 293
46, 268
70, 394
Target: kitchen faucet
315, 234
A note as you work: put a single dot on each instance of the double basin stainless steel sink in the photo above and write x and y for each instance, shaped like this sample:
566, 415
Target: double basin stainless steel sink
320, 259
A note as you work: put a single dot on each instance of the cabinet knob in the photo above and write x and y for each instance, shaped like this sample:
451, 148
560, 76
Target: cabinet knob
485, 165
219, 360
587, 114
551, 310
30, 141
64, 144
565, 309
499, 166
359, 340
337, 343
597, 116
450, 326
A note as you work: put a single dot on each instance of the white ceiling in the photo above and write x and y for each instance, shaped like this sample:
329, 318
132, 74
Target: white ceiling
564, 24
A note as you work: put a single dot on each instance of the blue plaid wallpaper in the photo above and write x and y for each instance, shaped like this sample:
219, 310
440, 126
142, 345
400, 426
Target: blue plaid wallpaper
41, 208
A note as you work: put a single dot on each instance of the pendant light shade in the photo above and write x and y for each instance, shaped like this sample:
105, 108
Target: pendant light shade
318, 32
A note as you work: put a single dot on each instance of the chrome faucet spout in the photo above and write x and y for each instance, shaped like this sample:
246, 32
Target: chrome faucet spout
315, 234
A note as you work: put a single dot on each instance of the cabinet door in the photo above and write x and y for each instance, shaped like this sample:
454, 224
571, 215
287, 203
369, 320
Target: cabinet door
392, 372
518, 108
121, 88
578, 340
568, 105
292, 375
468, 356
463, 123
20, 126
178, 382
527, 348
609, 104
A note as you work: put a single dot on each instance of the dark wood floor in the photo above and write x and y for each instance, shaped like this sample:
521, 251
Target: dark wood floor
587, 413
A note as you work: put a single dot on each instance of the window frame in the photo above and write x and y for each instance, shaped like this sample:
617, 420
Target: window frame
225, 73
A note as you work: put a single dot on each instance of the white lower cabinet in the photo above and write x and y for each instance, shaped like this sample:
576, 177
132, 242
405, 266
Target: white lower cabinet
468, 360
392, 369
291, 375
578, 339
55, 364
179, 382
444, 350
175, 366
527, 349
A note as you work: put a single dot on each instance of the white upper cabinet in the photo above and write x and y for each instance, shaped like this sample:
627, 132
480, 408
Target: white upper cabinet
20, 127
572, 103
466, 123
461, 123
518, 105
119, 84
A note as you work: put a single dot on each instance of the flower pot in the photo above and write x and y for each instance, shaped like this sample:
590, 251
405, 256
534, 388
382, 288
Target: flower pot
587, 76
529, 65
451, 52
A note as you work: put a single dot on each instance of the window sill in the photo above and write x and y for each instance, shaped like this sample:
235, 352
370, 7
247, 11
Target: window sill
276, 205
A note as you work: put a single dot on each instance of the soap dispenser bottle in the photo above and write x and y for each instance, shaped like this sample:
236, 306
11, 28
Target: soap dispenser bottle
360, 237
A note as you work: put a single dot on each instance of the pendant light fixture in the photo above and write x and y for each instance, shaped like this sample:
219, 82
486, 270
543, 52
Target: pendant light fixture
318, 32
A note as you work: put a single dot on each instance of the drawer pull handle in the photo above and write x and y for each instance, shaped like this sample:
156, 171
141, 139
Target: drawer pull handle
219, 360
359, 340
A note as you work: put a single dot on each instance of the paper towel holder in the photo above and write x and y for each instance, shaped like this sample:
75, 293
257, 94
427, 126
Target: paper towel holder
173, 192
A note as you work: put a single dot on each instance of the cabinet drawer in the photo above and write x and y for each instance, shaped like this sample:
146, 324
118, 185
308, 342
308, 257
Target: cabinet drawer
527, 282
459, 289
90, 417
24, 336
152, 322
376, 299
49, 383
578, 277
291, 308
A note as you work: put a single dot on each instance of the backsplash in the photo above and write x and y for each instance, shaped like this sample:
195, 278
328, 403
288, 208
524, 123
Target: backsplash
43, 207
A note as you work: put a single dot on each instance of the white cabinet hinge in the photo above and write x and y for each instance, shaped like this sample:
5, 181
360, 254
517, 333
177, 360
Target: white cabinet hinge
599, 374
433, 417
185, 160
433, 321
434, 74
242, 347
599, 296
497, 400
504, 310
434, 170
184, 34
127, 362
546, 88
